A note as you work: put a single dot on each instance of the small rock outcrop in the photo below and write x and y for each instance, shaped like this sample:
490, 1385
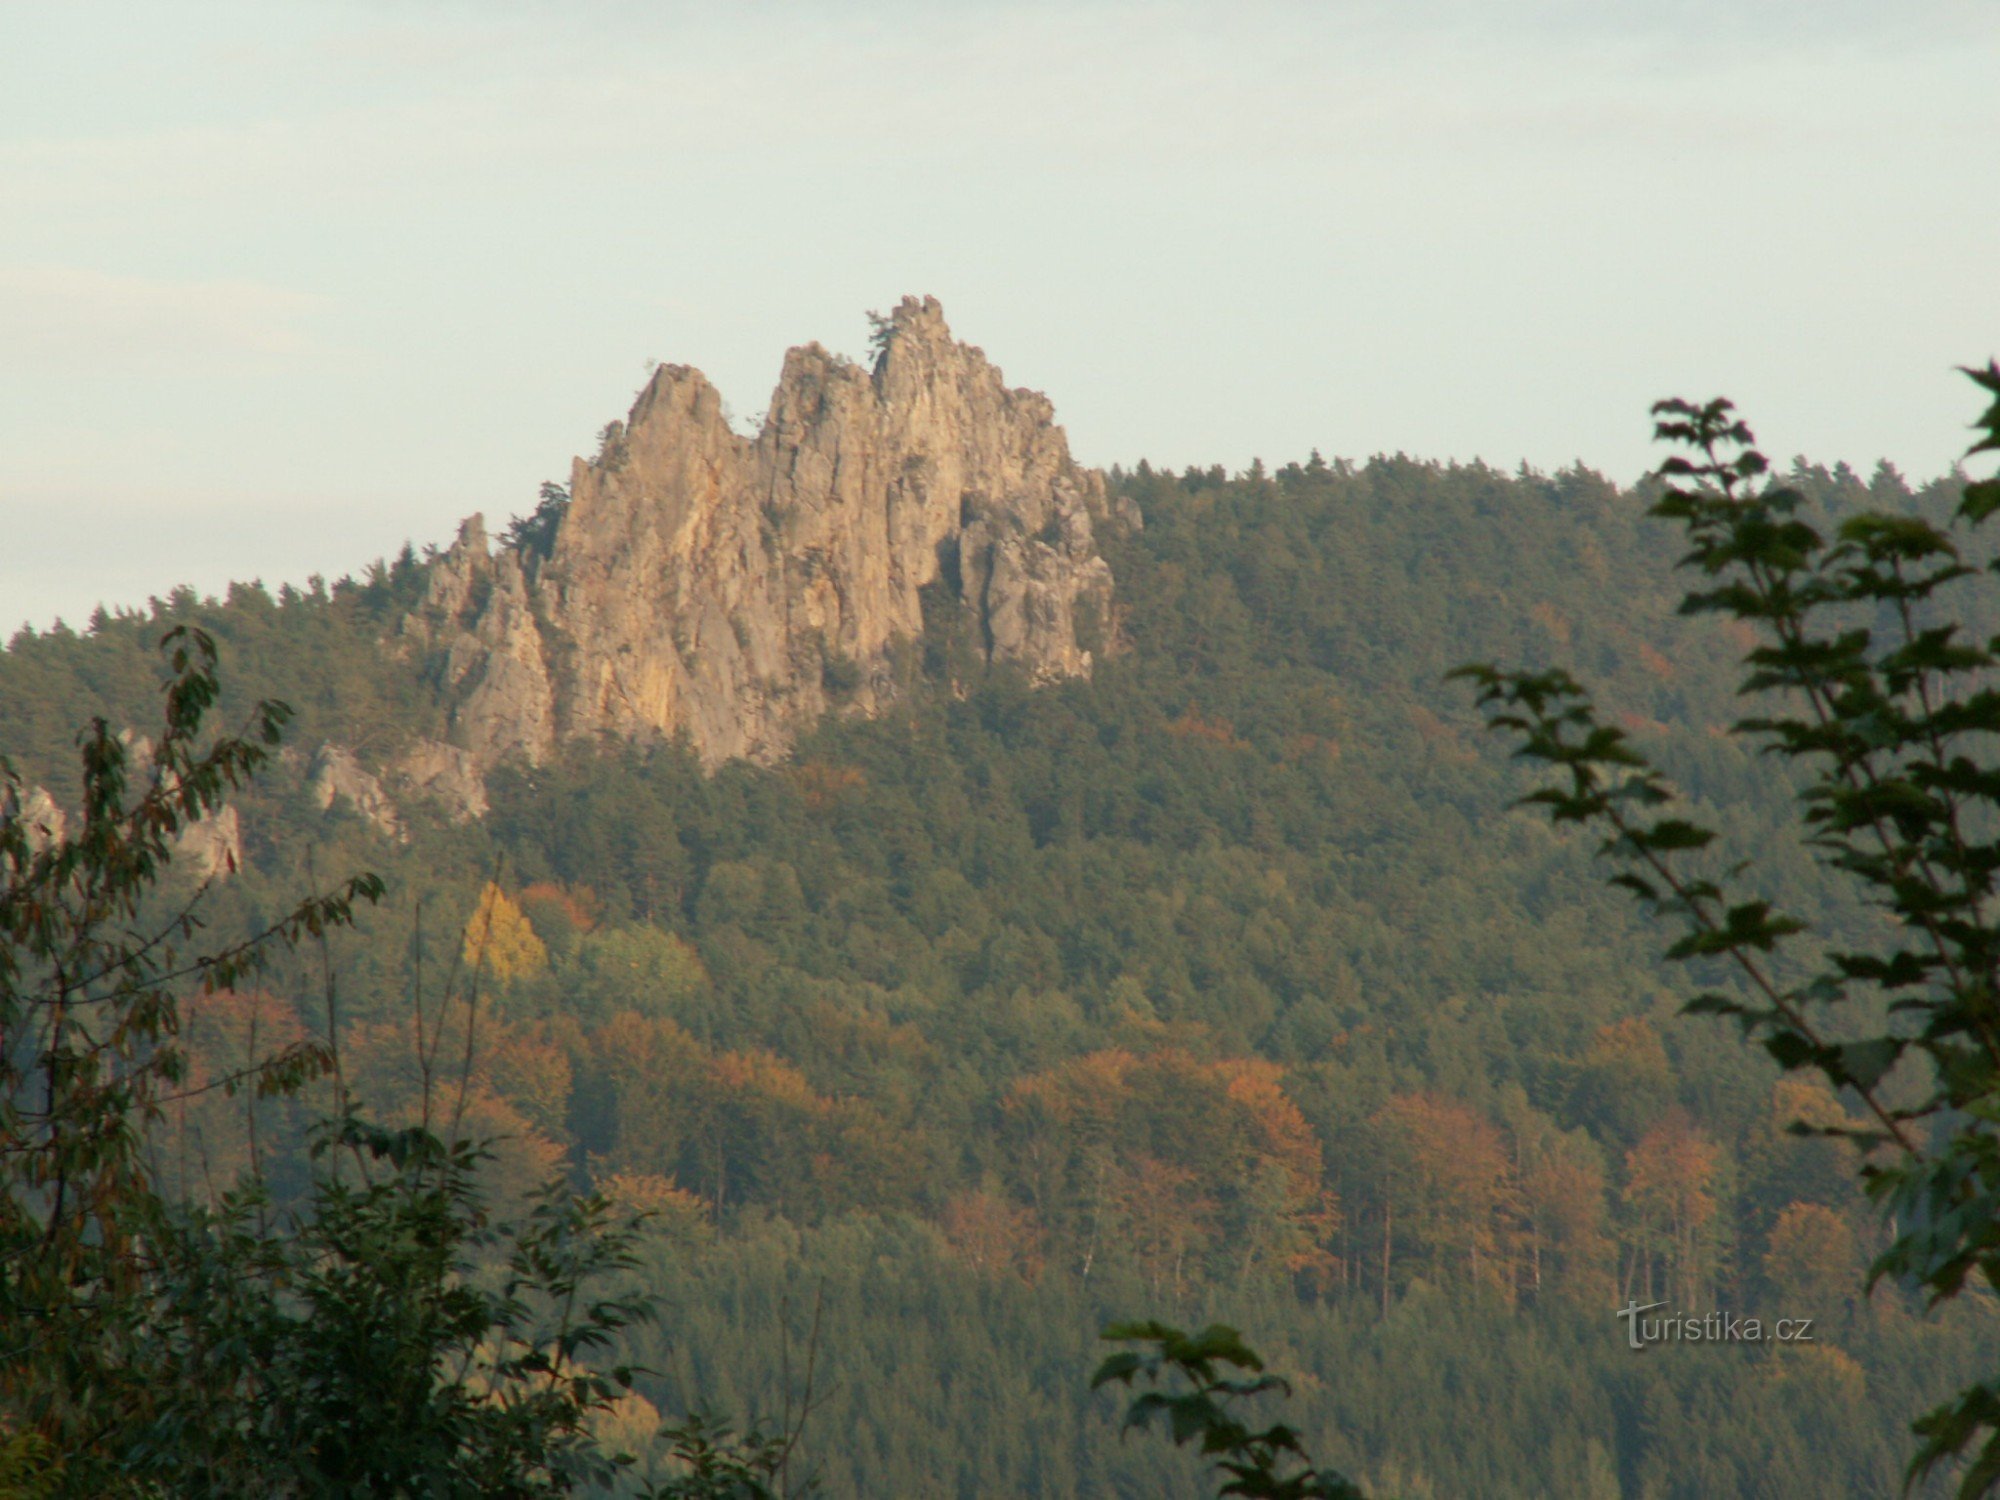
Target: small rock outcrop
735, 589
337, 776
36, 811
445, 774
213, 845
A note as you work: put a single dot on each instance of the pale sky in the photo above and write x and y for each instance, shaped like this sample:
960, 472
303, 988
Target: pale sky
284, 284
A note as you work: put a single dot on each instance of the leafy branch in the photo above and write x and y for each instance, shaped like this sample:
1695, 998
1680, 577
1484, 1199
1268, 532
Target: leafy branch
1872, 686
1193, 1397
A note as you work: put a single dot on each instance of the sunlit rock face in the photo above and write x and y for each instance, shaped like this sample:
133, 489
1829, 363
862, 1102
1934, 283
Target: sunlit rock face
39, 814
445, 774
212, 845
735, 589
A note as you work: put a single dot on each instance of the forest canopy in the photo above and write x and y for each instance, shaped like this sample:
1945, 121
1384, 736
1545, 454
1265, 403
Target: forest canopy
1222, 985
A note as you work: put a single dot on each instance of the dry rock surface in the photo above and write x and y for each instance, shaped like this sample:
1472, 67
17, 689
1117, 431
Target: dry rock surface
338, 777
736, 589
38, 813
444, 774
213, 845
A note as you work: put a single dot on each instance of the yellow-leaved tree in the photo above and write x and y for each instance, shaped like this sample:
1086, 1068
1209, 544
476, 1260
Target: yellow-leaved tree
499, 942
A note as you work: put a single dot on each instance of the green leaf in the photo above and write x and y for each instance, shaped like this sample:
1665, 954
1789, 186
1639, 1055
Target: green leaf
1864, 1064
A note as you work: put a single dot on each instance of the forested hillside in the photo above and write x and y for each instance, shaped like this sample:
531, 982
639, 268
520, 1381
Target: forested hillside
1224, 984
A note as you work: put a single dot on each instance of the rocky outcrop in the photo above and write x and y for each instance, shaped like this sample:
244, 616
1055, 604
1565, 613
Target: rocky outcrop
42, 820
338, 777
213, 845
735, 589
494, 670
445, 774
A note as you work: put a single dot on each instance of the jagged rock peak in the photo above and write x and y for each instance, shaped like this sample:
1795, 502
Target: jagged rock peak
736, 588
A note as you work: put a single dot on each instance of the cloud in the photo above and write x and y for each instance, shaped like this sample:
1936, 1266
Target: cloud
71, 316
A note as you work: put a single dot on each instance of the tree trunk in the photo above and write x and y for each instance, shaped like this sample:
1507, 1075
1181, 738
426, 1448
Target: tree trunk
1388, 1228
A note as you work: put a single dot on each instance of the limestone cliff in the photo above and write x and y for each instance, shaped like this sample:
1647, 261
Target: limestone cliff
738, 588
445, 774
